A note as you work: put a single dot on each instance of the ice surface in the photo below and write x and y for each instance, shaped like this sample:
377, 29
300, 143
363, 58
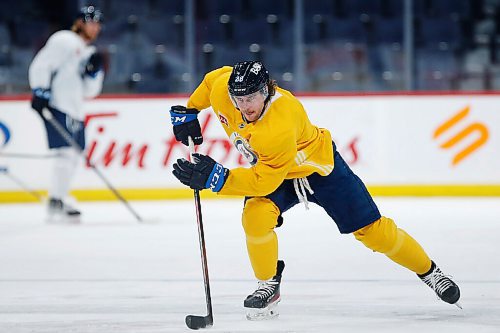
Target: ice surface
112, 274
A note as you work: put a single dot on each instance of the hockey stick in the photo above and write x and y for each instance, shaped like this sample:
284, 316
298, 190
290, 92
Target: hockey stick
47, 115
20, 183
22, 155
192, 321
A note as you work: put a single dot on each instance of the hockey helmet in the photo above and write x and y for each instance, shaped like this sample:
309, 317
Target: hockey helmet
247, 77
90, 14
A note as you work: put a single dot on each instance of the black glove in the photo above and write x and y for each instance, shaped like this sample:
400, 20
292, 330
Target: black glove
205, 173
186, 124
40, 99
94, 64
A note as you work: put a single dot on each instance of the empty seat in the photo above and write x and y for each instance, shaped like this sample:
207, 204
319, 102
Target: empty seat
318, 7
392, 8
387, 58
285, 80
166, 7
221, 55
436, 69
4, 35
280, 30
445, 8
247, 31
354, 8
211, 31
278, 59
162, 30
265, 7
388, 30
315, 28
119, 8
436, 31
112, 28
21, 59
214, 8
346, 30
30, 33
336, 67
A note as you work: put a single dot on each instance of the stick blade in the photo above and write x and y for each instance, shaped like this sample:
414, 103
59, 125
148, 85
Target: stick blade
197, 322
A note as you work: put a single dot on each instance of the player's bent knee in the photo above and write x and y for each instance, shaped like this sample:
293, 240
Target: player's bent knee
260, 217
380, 236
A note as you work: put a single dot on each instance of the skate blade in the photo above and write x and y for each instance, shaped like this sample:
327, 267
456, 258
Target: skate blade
267, 313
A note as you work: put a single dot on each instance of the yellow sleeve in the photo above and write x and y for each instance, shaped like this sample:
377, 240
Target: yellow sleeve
200, 98
275, 160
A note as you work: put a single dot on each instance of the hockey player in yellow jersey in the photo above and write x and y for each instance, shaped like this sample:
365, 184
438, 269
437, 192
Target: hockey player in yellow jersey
292, 161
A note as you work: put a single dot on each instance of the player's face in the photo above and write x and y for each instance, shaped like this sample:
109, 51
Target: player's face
250, 105
91, 30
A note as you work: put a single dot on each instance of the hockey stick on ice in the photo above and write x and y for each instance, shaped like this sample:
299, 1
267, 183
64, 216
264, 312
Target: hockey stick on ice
192, 321
20, 183
22, 155
47, 115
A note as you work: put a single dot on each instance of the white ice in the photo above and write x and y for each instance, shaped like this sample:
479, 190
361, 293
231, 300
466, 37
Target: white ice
112, 274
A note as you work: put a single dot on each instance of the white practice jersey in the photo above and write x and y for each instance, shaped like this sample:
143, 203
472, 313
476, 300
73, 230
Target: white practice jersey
60, 65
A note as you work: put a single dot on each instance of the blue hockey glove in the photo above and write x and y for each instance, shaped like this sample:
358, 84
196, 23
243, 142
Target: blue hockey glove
40, 99
94, 64
186, 124
205, 173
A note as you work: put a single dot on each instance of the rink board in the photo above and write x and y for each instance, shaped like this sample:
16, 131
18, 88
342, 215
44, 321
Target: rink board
398, 144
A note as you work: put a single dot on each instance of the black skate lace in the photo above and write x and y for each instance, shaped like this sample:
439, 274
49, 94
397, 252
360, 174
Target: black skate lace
265, 289
438, 281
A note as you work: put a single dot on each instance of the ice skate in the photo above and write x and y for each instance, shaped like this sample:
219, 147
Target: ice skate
60, 211
443, 286
263, 303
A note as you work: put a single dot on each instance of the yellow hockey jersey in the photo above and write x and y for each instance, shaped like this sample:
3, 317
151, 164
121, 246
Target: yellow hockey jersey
281, 144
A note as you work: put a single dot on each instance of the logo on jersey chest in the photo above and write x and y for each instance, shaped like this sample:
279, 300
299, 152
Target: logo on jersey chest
244, 148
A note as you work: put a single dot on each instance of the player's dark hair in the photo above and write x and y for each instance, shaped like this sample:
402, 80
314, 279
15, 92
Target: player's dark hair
271, 87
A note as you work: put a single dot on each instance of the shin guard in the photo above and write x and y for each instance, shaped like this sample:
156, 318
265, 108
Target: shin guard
385, 237
260, 217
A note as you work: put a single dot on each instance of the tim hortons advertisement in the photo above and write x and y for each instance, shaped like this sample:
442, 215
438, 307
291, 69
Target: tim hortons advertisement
387, 140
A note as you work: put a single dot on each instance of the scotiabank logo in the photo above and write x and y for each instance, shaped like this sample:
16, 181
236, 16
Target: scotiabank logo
466, 130
4, 135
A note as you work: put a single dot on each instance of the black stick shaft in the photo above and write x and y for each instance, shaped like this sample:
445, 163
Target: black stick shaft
203, 251
47, 115
201, 237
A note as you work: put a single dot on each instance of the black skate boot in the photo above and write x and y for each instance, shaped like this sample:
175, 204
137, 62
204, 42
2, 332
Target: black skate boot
443, 286
59, 211
263, 303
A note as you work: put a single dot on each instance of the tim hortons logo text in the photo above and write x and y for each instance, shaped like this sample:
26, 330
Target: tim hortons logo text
471, 129
105, 153
106, 147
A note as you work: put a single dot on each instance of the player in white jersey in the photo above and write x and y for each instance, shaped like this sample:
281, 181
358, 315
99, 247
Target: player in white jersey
65, 72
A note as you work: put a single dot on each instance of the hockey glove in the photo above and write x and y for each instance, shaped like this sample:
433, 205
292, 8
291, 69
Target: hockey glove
94, 64
205, 173
40, 99
186, 124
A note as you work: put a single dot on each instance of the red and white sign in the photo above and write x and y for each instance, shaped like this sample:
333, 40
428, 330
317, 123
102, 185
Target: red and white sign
387, 140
